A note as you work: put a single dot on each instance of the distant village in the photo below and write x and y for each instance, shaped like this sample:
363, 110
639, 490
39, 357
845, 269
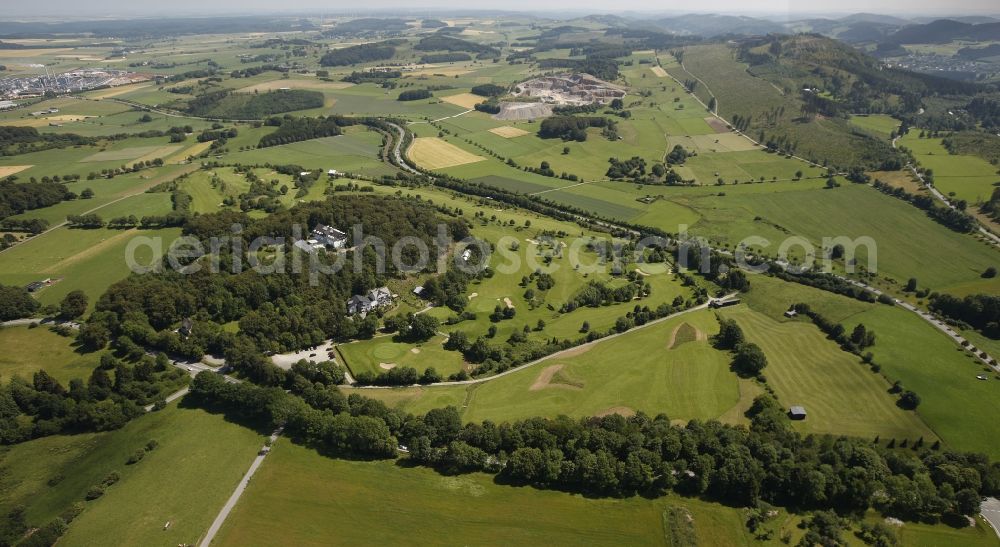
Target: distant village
24, 87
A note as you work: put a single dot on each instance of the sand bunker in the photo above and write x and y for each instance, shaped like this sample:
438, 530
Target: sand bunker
387, 366
550, 377
414, 350
508, 302
473, 295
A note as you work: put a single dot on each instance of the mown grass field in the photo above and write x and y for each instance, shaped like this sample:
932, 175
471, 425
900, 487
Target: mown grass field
29, 350
88, 260
310, 499
880, 125
965, 177
957, 407
313, 500
841, 395
199, 454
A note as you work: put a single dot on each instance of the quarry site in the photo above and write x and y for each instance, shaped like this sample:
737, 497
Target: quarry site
575, 89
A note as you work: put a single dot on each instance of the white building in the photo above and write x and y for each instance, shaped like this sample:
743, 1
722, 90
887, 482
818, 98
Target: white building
331, 237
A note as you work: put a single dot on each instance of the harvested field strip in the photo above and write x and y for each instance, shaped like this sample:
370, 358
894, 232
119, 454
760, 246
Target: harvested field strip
508, 132
465, 100
434, 153
192, 150
121, 90
295, 84
160, 153
125, 154
660, 73
9, 170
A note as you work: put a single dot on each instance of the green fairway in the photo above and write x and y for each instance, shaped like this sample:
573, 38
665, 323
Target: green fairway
29, 350
381, 354
355, 152
636, 371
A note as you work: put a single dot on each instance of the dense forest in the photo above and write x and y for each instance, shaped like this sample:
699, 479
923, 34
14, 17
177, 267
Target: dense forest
291, 129
252, 106
570, 128
18, 197
981, 311
439, 42
278, 312
415, 95
363, 53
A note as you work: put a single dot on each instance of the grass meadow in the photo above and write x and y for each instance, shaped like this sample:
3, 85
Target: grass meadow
198, 454
313, 500
27, 350
965, 177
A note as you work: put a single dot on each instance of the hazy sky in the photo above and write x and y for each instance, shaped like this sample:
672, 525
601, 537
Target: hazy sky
117, 8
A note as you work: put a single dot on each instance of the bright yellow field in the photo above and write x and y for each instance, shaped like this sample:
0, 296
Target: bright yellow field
435, 153
508, 132
465, 100
660, 73
8, 170
192, 150
120, 90
161, 152
295, 84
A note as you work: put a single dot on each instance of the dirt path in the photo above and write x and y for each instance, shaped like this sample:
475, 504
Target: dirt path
240, 488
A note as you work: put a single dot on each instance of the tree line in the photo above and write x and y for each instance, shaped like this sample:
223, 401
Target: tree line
614, 456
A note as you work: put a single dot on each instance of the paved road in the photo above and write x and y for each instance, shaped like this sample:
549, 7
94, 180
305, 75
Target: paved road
934, 321
170, 398
240, 488
396, 152
44, 322
991, 512
554, 355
